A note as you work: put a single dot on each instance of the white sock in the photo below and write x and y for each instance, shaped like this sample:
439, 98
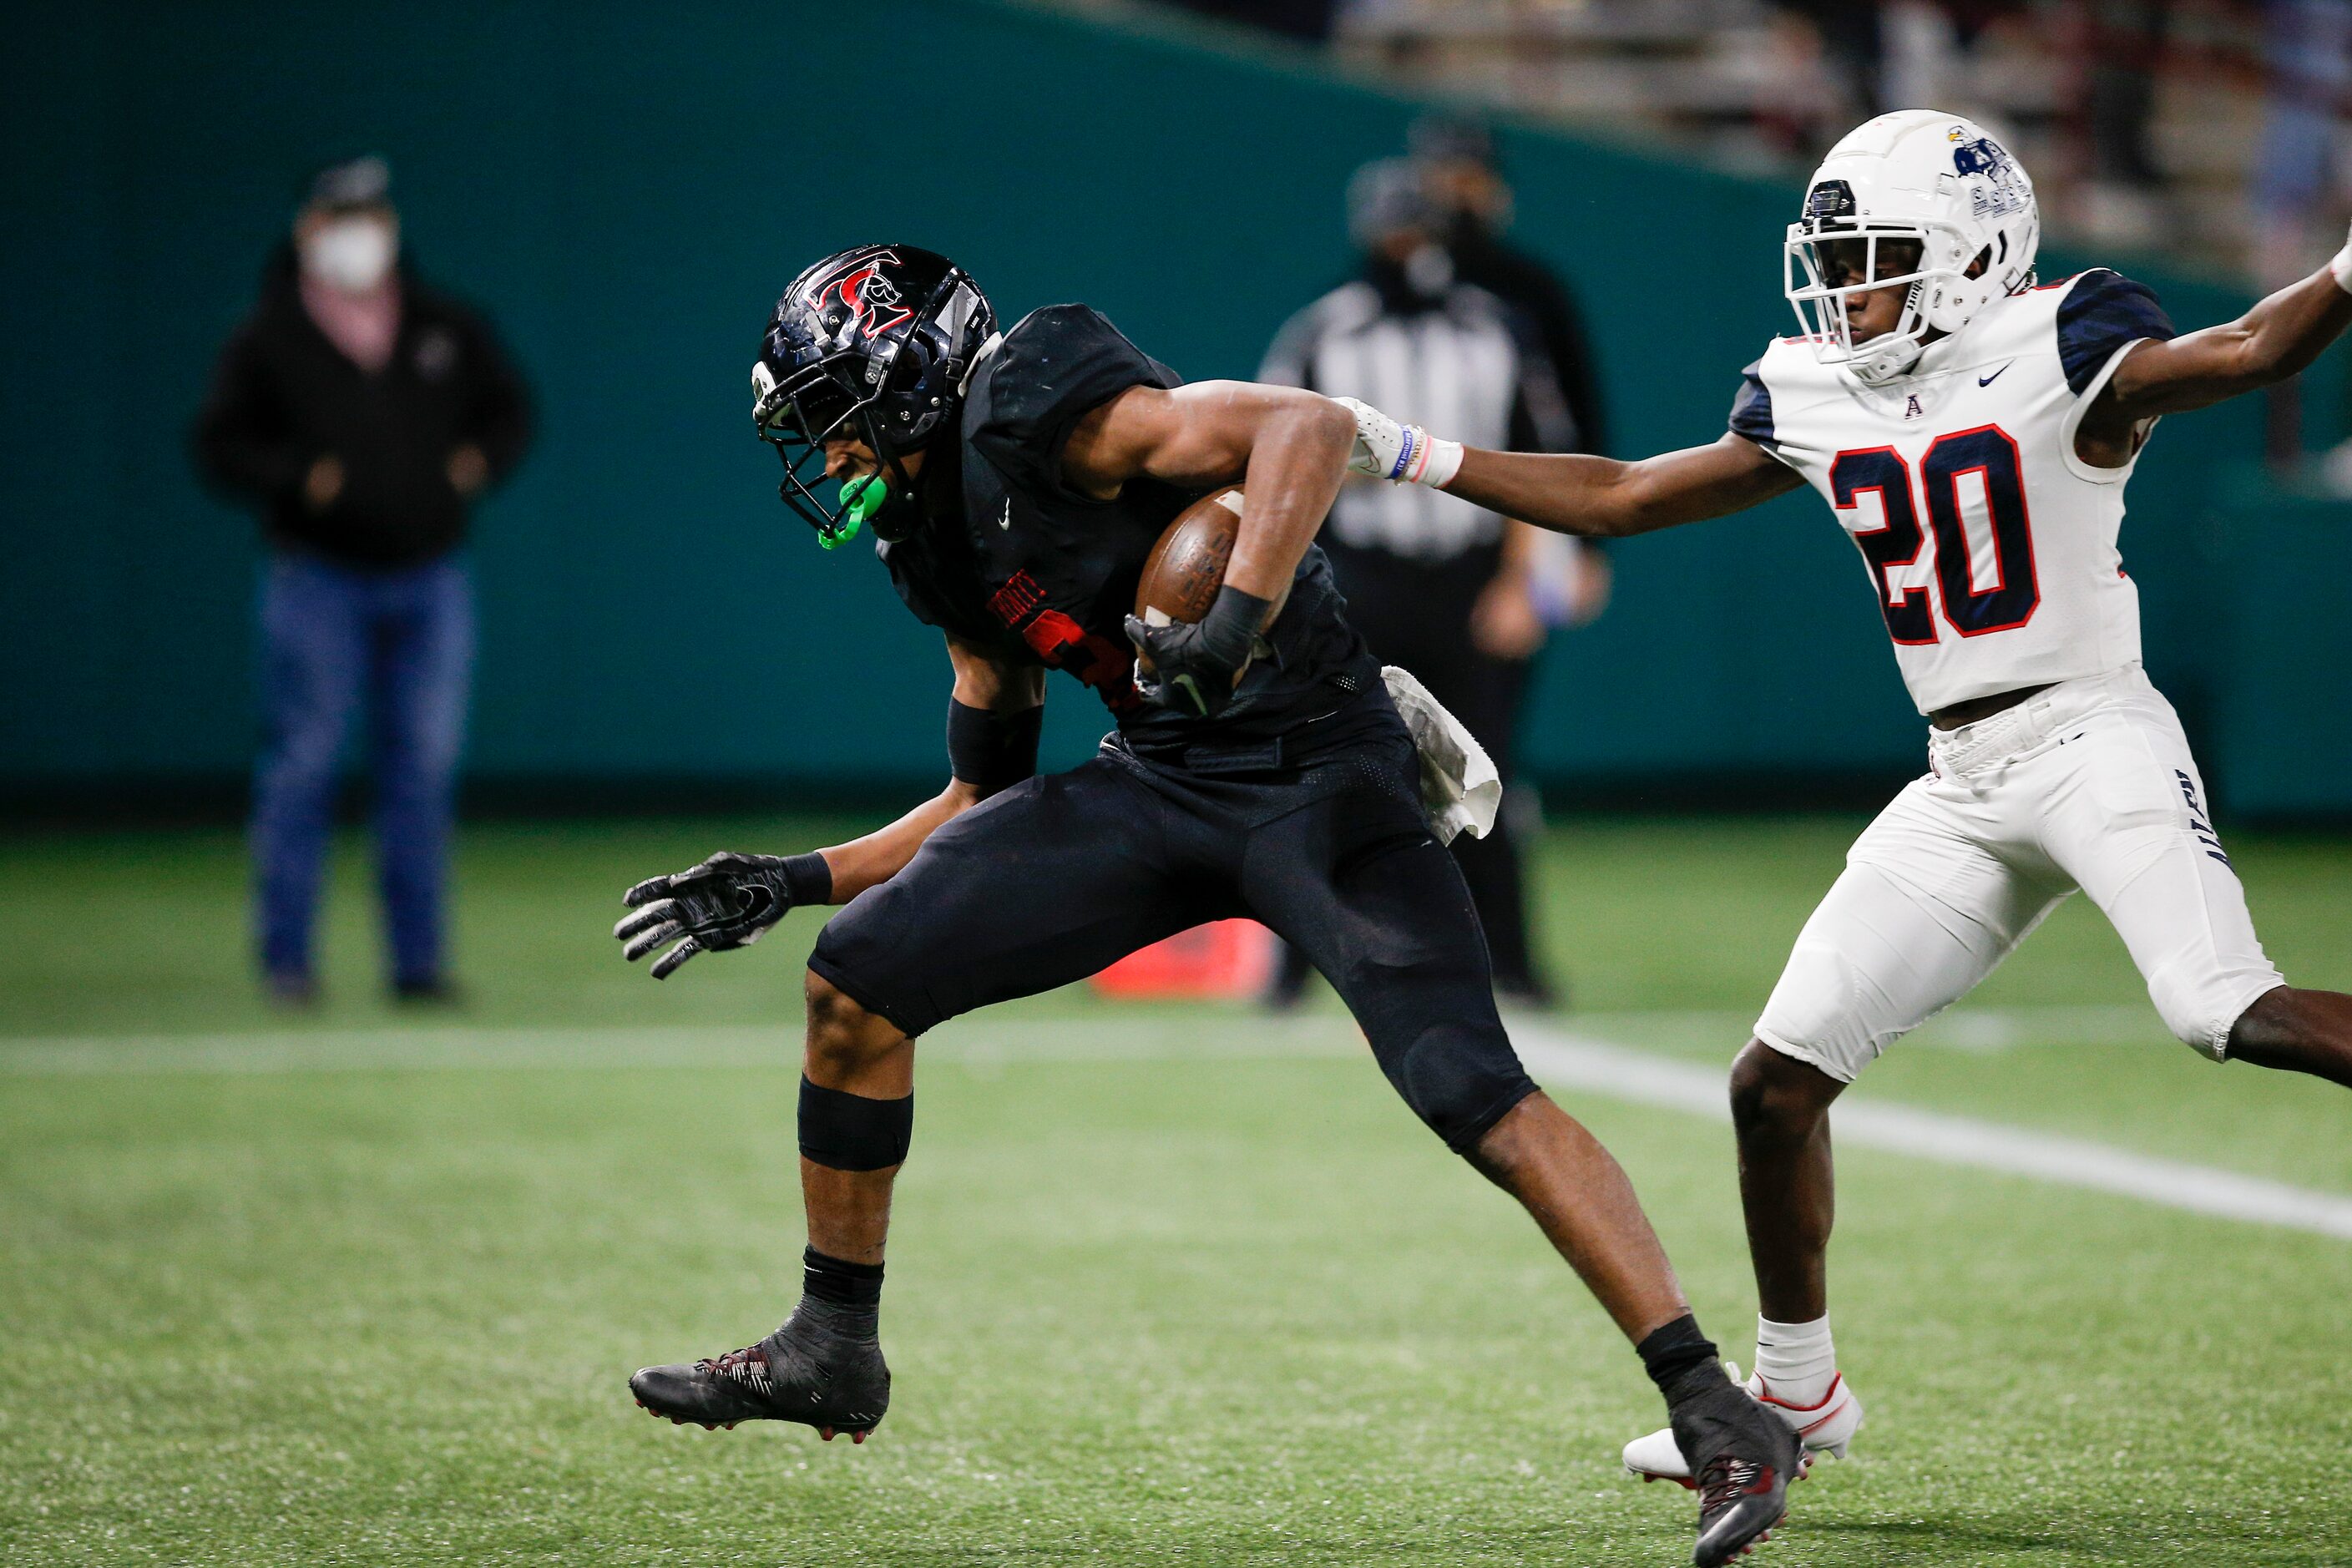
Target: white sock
1796, 1361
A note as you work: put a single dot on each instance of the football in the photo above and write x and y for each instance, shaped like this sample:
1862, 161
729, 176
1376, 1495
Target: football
1185, 569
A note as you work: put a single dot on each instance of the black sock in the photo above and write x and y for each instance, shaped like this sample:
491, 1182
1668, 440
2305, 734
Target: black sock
843, 1283
1679, 1359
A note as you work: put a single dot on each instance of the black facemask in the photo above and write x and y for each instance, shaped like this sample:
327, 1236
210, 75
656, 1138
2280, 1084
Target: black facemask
1464, 231
1418, 283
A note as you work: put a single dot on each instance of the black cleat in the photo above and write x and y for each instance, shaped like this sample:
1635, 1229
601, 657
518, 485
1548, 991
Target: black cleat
824, 1368
1743, 1456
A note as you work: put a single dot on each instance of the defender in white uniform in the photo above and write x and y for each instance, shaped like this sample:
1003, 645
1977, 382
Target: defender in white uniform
1972, 431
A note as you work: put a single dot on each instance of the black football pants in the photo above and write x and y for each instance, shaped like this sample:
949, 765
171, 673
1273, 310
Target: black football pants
1417, 614
1053, 880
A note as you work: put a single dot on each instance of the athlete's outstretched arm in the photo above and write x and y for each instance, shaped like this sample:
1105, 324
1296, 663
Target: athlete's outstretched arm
2274, 341
1011, 695
1600, 496
1288, 447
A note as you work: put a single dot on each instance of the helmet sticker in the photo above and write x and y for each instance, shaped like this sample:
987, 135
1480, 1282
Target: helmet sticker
2003, 191
1831, 198
875, 303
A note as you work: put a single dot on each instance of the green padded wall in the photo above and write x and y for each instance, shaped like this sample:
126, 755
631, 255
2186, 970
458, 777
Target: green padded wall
626, 192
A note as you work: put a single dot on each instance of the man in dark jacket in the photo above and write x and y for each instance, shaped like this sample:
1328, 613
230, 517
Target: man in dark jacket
363, 413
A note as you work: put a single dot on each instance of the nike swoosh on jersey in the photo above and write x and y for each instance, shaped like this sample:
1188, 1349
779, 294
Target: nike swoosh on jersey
1005, 522
1988, 380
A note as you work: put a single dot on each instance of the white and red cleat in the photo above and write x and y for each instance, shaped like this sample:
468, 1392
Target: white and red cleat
1827, 1428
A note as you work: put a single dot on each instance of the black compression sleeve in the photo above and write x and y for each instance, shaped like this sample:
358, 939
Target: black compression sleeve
993, 750
1679, 1358
809, 878
1230, 628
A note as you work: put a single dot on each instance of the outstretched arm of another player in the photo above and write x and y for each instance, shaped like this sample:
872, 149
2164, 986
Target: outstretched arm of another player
1604, 498
1572, 492
730, 900
2276, 338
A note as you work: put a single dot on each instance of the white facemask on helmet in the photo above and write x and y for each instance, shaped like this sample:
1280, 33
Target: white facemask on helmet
1915, 197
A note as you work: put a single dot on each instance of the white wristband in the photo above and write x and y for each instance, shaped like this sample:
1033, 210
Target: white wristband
1427, 459
2341, 267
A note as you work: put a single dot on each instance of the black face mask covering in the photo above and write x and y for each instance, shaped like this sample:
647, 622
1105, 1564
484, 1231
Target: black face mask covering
1416, 284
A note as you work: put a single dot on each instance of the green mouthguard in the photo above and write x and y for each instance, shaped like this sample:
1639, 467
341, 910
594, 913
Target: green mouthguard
863, 497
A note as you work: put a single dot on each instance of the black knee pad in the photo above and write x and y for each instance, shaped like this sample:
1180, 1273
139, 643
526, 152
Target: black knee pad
850, 1132
1460, 1080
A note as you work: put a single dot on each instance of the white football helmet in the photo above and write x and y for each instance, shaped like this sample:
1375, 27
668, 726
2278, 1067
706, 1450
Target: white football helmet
1932, 194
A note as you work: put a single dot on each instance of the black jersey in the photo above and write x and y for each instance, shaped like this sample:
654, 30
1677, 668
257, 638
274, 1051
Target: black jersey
1038, 572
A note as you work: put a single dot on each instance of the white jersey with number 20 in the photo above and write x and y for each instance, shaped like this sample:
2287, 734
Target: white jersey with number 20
1989, 542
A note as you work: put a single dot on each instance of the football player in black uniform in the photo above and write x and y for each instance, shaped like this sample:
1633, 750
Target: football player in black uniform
1016, 483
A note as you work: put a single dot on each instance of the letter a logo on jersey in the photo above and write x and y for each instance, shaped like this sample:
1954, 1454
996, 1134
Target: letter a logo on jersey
1913, 410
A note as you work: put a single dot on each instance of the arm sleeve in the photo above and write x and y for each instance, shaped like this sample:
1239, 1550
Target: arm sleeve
1752, 409
242, 442
498, 415
2100, 314
1055, 366
991, 750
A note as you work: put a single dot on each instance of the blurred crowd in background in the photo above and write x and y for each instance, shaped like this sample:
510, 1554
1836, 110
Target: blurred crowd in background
2212, 131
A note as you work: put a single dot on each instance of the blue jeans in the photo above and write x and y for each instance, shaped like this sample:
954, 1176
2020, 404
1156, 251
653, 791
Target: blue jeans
334, 639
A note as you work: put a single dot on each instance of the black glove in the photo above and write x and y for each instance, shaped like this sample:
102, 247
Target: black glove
1196, 665
728, 900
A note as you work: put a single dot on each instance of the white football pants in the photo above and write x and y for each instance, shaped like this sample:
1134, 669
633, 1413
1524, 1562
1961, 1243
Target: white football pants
2088, 784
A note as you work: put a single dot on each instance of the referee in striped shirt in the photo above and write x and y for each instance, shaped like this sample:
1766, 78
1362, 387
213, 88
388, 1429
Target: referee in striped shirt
1460, 597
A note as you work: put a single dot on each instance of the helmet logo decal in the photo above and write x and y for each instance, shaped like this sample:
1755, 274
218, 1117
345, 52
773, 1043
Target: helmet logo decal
2002, 190
875, 302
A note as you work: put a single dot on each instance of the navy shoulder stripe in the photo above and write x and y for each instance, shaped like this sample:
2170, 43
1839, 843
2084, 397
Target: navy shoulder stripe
1751, 411
2100, 314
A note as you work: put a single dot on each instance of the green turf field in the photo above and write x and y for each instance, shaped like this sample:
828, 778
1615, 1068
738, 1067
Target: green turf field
1167, 1286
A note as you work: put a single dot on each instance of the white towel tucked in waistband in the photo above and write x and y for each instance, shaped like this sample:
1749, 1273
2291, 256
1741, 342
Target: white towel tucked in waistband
1458, 781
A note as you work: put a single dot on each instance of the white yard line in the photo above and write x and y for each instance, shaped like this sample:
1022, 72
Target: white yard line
1554, 1056
689, 1046
1976, 1030
1596, 1067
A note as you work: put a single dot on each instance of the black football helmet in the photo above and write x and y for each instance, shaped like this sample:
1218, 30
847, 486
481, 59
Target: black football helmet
875, 342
